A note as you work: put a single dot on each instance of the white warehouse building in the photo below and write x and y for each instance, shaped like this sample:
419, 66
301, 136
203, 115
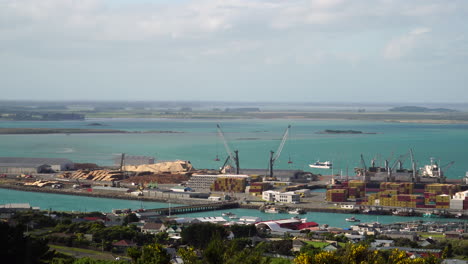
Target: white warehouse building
281, 197
34, 165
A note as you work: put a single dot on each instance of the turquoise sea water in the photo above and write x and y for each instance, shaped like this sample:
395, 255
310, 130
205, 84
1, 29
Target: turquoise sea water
200, 143
61, 202
332, 219
254, 139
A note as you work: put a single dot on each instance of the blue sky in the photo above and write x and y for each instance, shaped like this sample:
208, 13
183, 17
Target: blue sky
239, 50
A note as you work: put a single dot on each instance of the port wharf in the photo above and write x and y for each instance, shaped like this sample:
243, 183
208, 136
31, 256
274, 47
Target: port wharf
100, 195
201, 205
194, 208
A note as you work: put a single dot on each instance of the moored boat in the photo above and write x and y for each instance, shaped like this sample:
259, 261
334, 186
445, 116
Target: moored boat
296, 211
431, 215
321, 165
233, 216
272, 210
353, 219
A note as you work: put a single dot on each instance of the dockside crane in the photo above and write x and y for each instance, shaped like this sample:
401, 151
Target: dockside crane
233, 156
122, 161
274, 157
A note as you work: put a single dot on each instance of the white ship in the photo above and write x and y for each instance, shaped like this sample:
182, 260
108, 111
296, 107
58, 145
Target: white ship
433, 170
321, 165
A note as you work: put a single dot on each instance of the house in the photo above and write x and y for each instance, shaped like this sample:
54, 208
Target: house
297, 245
114, 219
122, 245
456, 235
355, 238
95, 219
382, 243
409, 235
152, 228
174, 232
454, 261
331, 247
426, 242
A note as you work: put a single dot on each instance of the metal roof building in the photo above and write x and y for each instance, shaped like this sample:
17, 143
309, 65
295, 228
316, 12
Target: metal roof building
34, 165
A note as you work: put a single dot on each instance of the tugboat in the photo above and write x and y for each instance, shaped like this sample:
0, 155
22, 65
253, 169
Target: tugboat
353, 219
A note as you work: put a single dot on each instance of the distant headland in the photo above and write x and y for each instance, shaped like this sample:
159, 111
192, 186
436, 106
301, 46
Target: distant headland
331, 131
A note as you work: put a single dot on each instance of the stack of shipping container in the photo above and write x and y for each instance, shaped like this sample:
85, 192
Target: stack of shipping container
400, 187
398, 194
356, 189
337, 195
257, 188
229, 184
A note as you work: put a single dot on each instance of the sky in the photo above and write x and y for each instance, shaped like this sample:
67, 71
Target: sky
235, 50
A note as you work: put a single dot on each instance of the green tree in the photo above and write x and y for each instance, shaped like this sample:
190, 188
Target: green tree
134, 253
309, 249
243, 230
161, 238
214, 252
17, 248
200, 234
155, 254
189, 256
130, 218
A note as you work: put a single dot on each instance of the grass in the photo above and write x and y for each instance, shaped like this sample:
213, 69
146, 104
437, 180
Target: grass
317, 244
280, 261
82, 252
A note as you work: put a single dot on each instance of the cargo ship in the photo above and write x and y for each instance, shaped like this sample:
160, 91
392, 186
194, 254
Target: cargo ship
430, 173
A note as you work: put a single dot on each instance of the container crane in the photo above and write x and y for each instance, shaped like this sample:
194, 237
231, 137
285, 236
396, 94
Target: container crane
273, 157
233, 156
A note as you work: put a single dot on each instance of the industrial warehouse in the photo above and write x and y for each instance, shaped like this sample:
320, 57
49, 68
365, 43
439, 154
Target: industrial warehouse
34, 165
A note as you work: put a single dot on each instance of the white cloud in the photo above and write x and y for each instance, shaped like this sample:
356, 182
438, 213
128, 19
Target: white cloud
403, 45
97, 19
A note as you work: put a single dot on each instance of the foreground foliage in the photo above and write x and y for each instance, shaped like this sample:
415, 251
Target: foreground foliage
361, 254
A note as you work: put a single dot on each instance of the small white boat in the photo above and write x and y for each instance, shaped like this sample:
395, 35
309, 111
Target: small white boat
233, 216
353, 219
272, 210
321, 165
227, 214
296, 211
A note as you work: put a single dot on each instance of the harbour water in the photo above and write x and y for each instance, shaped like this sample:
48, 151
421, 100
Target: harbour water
62, 202
200, 144
254, 138
69, 203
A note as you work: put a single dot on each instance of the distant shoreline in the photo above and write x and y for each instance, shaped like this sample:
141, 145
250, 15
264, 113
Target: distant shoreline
34, 131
